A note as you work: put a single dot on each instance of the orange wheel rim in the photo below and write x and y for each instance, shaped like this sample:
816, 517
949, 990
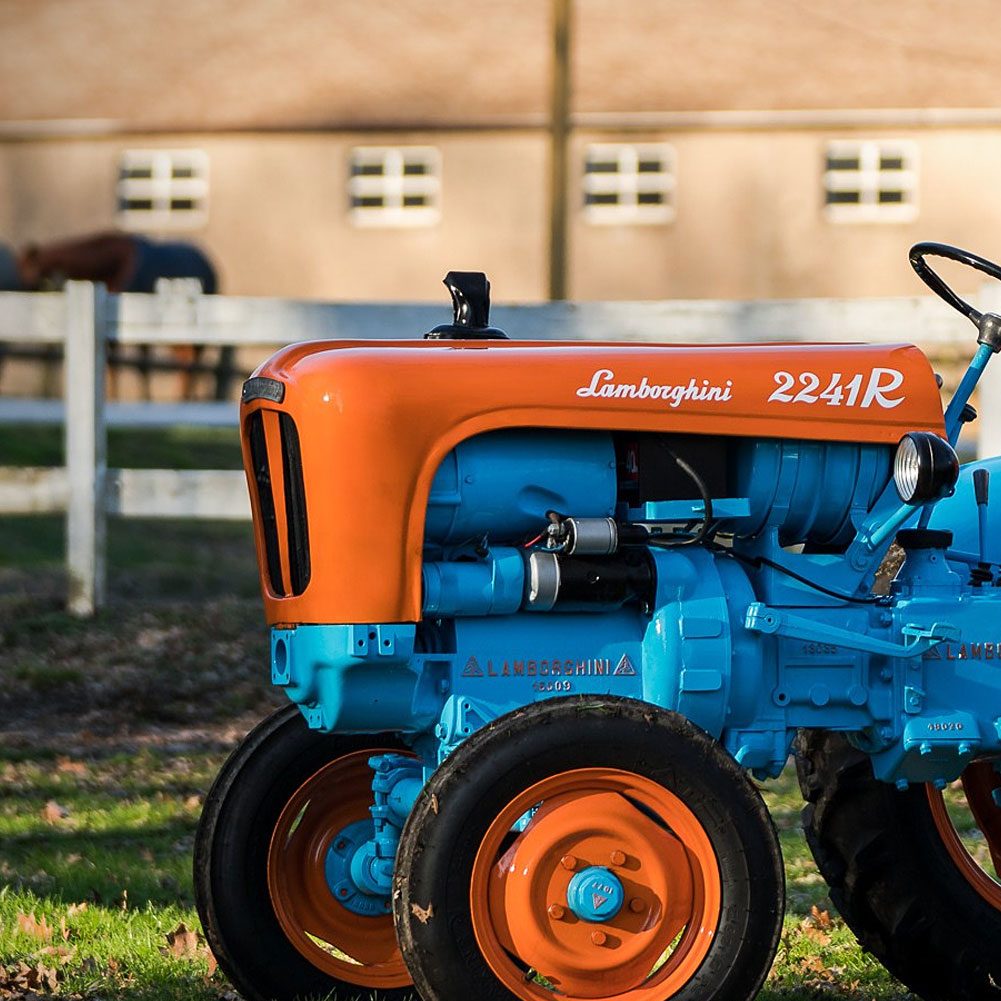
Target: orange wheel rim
979, 782
634, 828
350, 947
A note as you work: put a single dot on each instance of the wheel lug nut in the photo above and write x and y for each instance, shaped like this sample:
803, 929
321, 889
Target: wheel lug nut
556, 911
569, 862
637, 906
618, 857
599, 937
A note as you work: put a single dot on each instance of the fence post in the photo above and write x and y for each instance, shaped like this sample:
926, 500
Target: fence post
989, 388
84, 375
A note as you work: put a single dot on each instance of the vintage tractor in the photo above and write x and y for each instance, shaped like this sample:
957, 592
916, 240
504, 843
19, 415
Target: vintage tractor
543, 610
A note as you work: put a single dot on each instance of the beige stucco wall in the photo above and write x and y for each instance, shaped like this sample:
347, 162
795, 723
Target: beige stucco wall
749, 215
750, 220
278, 223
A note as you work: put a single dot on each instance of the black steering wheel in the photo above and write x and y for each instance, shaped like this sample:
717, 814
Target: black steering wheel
924, 271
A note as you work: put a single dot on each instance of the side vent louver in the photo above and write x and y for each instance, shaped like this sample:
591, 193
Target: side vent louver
281, 500
295, 506
265, 501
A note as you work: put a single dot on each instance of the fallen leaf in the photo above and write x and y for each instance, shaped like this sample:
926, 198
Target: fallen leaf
814, 965
70, 767
52, 812
816, 935
30, 925
181, 942
61, 952
423, 914
74, 909
23, 977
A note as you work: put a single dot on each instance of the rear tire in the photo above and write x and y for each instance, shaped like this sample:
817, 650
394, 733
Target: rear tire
247, 802
892, 877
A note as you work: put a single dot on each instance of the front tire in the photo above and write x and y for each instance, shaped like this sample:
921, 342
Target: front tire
268, 915
531, 805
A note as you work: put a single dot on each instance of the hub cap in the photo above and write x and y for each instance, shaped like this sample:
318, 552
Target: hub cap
595, 894
611, 891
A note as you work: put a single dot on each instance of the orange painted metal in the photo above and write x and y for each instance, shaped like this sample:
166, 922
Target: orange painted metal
979, 782
375, 421
650, 949
356, 949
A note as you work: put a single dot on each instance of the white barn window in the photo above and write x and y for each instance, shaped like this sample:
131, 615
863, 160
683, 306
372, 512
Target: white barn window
625, 183
163, 188
395, 186
871, 181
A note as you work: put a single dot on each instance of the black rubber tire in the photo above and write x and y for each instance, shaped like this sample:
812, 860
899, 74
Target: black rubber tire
494, 765
892, 878
230, 859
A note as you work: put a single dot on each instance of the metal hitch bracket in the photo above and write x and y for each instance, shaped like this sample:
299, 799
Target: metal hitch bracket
760, 618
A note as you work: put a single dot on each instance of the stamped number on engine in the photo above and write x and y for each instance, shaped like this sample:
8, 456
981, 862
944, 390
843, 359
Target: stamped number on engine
861, 390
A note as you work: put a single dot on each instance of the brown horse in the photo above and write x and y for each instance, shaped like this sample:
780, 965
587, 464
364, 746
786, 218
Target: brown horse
125, 262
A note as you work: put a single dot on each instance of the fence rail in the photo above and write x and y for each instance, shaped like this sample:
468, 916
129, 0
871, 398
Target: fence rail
84, 318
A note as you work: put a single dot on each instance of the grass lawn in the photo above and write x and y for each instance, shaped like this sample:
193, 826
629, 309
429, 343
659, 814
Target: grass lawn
95, 865
111, 731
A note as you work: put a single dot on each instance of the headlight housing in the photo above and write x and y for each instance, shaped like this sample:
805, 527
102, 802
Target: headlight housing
925, 467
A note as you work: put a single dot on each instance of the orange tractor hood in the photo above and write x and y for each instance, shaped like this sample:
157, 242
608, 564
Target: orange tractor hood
374, 421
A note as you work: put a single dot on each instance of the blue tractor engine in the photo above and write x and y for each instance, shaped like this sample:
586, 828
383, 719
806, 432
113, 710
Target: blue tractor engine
622, 590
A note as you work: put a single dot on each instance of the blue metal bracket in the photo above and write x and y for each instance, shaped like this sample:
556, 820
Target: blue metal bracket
762, 619
359, 870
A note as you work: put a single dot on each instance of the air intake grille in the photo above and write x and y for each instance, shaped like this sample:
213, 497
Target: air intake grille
282, 502
295, 506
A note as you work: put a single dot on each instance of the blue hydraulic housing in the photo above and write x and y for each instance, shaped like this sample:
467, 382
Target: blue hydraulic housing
771, 627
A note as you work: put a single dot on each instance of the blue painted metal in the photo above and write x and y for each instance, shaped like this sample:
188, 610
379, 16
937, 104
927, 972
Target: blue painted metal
501, 484
358, 678
918, 640
338, 872
360, 859
810, 491
595, 894
899, 673
485, 587
953, 424
959, 513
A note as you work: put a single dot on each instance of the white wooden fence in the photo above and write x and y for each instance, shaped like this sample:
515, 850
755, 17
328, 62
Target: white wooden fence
85, 317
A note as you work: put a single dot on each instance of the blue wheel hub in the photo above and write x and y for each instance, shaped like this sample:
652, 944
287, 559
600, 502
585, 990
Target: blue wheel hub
341, 879
595, 894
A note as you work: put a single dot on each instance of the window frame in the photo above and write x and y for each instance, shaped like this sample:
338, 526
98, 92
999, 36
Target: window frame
162, 188
870, 180
628, 182
393, 184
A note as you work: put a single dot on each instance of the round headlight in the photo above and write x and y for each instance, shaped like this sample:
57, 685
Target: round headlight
925, 467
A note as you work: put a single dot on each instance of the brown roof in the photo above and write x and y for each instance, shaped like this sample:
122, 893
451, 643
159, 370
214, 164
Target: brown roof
188, 64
